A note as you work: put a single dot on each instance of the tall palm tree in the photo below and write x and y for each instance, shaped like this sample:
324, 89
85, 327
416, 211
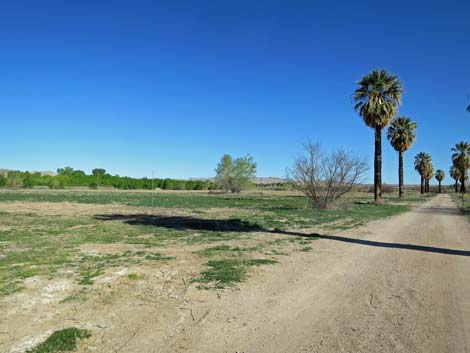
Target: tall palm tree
422, 160
377, 100
455, 174
461, 159
428, 174
401, 135
439, 177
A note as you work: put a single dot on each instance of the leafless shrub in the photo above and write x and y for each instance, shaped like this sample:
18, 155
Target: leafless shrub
325, 177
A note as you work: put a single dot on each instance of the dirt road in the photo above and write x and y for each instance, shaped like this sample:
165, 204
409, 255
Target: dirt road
400, 285
396, 285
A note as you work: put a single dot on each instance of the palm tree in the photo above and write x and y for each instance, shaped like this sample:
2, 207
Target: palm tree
439, 177
377, 100
401, 135
428, 174
455, 174
461, 159
422, 161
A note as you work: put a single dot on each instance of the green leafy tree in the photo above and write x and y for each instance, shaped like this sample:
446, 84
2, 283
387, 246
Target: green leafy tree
461, 159
28, 180
65, 171
98, 173
244, 170
439, 177
14, 178
401, 135
224, 172
235, 174
422, 162
3, 181
377, 100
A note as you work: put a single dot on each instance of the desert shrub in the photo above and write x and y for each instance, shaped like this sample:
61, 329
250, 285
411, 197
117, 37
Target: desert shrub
387, 188
325, 177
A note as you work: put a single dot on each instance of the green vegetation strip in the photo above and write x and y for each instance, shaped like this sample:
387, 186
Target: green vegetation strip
61, 341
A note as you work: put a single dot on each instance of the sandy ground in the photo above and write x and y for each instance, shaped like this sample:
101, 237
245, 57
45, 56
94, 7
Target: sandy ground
398, 285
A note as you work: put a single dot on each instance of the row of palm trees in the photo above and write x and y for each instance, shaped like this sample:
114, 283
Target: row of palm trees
460, 165
425, 168
458, 171
377, 100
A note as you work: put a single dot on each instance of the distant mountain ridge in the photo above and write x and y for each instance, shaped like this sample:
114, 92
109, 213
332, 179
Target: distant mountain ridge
269, 180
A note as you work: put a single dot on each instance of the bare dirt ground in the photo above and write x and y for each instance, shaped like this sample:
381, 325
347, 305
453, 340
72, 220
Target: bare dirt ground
398, 285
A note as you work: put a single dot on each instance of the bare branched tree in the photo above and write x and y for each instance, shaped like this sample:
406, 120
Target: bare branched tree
325, 177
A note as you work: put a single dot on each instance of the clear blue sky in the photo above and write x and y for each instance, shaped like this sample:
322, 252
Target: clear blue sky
173, 85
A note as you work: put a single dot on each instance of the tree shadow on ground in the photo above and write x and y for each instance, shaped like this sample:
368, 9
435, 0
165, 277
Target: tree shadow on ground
183, 222
381, 244
237, 225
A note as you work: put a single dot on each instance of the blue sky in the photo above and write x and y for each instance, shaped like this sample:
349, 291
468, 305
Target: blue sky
173, 85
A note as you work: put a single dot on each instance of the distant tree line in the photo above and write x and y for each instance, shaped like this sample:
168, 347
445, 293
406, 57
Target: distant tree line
68, 177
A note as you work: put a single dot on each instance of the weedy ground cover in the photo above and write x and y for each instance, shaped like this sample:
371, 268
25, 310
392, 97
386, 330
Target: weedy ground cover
35, 243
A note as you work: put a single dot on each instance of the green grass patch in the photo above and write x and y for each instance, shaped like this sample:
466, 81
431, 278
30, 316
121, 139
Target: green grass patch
340, 219
226, 250
227, 272
306, 249
135, 276
61, 341
94, 266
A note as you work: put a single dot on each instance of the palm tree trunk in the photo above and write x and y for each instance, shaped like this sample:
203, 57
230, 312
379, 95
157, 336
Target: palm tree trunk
422, 184
378, 165
426, 186
440, 190
400, 174
456, 186
463, 187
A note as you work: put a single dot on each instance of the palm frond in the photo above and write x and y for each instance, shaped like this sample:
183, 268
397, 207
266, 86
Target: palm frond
378, 97
401, 133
